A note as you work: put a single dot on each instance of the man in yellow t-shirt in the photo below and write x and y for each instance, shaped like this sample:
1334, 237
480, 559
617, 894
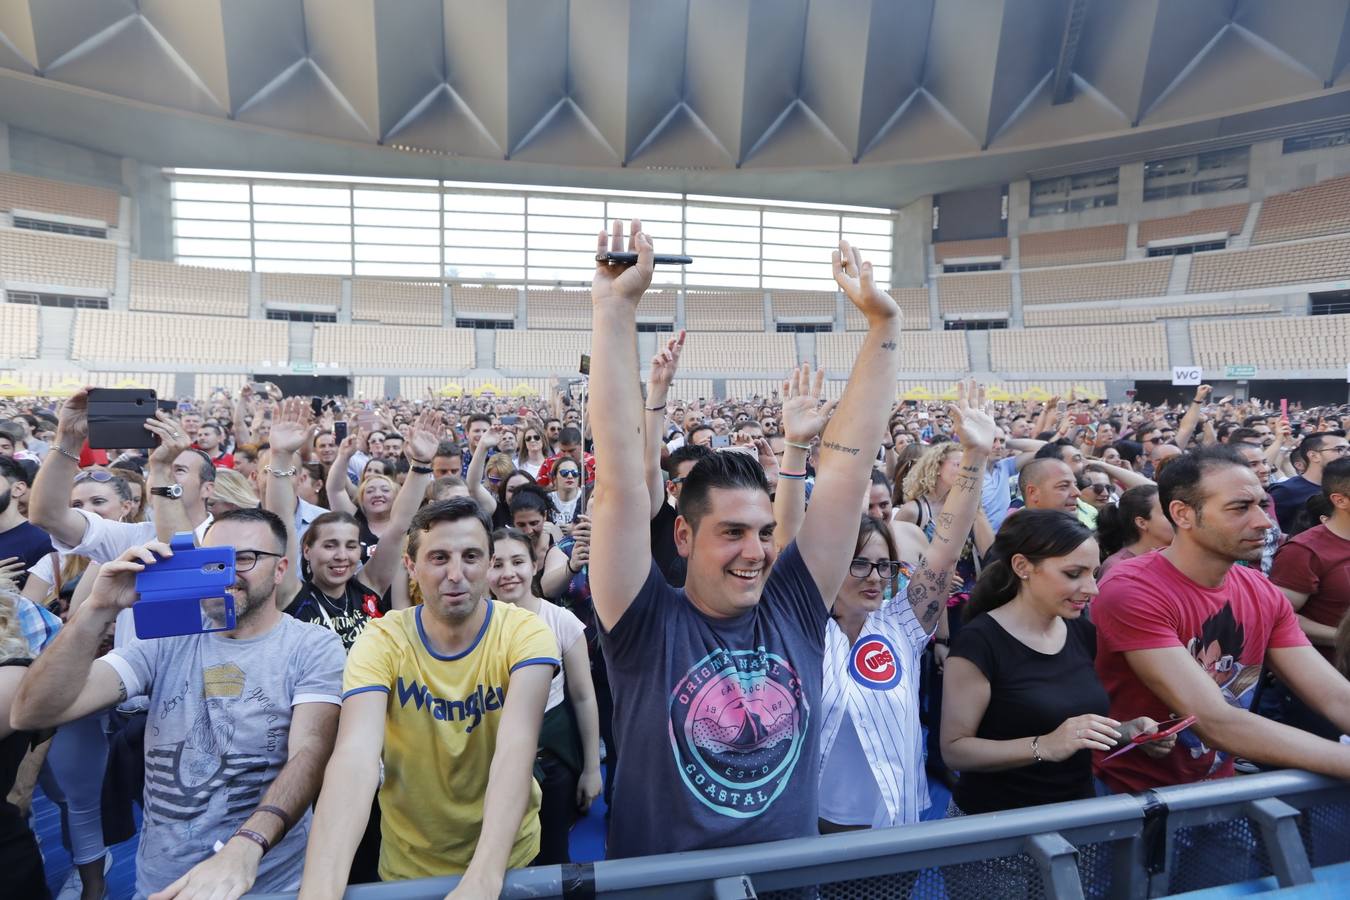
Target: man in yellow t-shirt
446, 692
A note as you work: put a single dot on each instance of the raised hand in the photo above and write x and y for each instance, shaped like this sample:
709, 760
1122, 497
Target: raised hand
666, 363
622, 282
10, 569
172, 439
854, 277
72, 421
974, 426
805, 411
1202, 393
424, 437
492, 437
115, 587
290, 426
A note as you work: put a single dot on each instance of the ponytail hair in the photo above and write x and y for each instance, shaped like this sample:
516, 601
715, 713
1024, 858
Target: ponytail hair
1115, 523
1037, 534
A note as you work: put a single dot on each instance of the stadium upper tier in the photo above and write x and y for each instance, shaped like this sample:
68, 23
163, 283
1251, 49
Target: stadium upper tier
1075, 301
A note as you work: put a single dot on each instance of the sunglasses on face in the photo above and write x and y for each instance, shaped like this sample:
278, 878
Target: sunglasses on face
568, 473
533, 437
885, 568
98, 476
1098, 488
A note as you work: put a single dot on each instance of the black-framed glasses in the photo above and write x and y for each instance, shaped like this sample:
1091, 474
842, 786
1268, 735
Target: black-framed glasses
98, 476
886, 569
245, 560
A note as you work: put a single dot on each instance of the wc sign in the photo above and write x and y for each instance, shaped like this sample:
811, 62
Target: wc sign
1186, 375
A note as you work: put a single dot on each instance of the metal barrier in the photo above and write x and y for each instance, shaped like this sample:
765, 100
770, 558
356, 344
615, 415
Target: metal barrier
1171, 840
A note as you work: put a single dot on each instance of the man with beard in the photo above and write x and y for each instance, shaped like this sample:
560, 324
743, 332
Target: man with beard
20, 541
241, 722
449, 695
1183, 631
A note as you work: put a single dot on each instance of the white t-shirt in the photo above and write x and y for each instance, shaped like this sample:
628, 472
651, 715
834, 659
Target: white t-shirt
564, 510
567, 630
848, 790
105, 540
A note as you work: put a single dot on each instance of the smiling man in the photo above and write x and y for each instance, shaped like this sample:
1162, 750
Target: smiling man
449, 695
717, 687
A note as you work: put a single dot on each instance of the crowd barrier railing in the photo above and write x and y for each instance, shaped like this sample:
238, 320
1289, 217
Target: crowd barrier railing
1278, 825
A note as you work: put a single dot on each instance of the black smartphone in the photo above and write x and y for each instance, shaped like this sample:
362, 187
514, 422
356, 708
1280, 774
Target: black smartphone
340, 431
585, 364
316, 404
168, 406
117, 418
627, 259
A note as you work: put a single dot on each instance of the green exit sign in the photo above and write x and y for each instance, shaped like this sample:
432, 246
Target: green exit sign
1239, 372
302, 368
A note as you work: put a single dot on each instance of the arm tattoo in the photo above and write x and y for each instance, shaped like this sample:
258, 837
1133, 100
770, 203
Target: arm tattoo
945, 521
121, 691
888, 345
831, 445
965, 482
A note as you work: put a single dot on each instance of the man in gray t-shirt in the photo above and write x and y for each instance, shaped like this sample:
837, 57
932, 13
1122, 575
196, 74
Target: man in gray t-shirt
241, 723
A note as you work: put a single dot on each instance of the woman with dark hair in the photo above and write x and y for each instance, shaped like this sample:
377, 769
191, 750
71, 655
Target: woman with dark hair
505, 491
907, 460
1132, 527
1025, 706
530, 509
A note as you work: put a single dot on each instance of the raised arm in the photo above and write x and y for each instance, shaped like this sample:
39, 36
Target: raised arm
805, 415
1127, 477
659, 379
384, 563
621, 505
49, 500
169, 515
851, 441
338, 499
1186, 427
242, 433
975, 429
477, 463
278, 487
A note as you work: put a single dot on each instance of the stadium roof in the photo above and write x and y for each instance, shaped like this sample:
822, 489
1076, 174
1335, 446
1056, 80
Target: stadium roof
862, 101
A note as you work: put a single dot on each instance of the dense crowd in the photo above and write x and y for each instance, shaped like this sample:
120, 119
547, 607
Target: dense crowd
460, 621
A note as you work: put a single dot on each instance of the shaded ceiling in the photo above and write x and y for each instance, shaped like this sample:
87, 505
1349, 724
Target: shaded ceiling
667, 93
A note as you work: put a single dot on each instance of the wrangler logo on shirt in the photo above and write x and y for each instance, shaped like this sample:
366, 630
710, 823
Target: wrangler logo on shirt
482, 701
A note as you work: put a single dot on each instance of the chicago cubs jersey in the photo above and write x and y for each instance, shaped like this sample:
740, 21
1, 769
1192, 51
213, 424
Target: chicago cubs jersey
872, 688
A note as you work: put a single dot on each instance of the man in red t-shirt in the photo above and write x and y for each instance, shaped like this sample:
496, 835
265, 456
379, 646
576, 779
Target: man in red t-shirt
1313, 568
1182, 631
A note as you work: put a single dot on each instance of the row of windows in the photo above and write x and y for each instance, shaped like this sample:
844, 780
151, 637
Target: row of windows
1177, 176
360, 230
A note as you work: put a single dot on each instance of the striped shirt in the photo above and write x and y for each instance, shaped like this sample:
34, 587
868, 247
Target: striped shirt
875, 685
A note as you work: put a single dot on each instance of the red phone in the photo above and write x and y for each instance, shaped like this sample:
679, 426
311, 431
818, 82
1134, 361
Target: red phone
1172, 727
1284, 408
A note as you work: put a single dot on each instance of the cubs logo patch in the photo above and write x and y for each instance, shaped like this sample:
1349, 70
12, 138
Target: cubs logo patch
874, 664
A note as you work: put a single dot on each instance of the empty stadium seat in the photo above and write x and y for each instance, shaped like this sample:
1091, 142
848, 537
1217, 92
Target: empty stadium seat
1289, 264
913, 303
1101, 243
1037, 316
61, 198
945, 250
1284, 343
396, 302
559, 351
558, 308
1309, 212
79, 264
311, 290
18, 331
394, 347
975, 292
168, 287
1118, 281
804, 304
1124, 349
740, 351
486, 301
724, 310
1226, 219
933, 351
106, 336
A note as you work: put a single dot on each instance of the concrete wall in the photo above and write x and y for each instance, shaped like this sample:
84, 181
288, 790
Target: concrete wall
33, 154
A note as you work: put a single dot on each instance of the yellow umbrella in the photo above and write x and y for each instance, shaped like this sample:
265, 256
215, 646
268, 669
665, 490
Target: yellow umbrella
130, 383
917, 393
998, 394
1036, 393
11, 387
65, 388
1083, 393
450, 389
523, 390
949, 394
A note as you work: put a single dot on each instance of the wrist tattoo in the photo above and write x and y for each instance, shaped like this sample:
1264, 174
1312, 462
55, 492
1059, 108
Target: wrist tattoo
888, 345
831, 445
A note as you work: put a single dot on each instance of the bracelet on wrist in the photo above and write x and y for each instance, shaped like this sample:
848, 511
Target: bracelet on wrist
1036, 749
796, 476
660, 408
253, 836
280, 473
74, 457
418, 462
286, 821
806, 447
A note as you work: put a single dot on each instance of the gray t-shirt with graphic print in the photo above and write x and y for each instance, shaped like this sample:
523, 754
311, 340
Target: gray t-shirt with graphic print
216, 737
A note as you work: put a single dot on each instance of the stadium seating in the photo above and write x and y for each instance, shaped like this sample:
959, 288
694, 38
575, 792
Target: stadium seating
106, 336
41, 380
1287, 342
394, 347
168, 287
689, 389
1101, 243
60, 198
657, 305
396, 302
753, 387
77, 264
1310, 212
724, 310
1036, 316
558, 308
312, 290
740, 351
491, 302
1115, 281
804, 304
230, 382
913, 303
559, 351
1124, 349
934, 351
369, 386
975, 292
1227, 219
1291, 264
18, 331
945, 250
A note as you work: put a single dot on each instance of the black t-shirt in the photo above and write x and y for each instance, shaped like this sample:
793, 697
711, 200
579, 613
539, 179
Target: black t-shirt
368, 538
668, 559
1030, 693
29, 543
16, 842
347, 615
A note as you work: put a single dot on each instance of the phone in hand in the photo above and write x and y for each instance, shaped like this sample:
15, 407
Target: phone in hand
339, 431
721, 440
1284, 408
585, 364
510, 420
628, 259
187, 593
117, 418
